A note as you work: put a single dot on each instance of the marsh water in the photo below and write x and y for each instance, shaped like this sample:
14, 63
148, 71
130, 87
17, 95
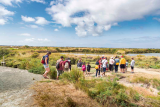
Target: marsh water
146, 54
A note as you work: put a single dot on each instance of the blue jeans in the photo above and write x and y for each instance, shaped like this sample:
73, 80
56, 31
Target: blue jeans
97, 72
116, 68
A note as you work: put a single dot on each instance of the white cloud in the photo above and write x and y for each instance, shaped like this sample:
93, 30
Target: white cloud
4, 15
30, 40
56, 30
33, 26
27, 19
52, 2
100, 15
9, 2
43, 40
36, 40
158, 19
25, 34
41, 21
39, 1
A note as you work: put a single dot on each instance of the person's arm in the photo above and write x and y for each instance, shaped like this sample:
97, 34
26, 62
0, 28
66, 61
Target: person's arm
63, 65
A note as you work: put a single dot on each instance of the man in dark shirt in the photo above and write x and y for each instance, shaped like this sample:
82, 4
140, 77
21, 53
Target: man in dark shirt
60, 70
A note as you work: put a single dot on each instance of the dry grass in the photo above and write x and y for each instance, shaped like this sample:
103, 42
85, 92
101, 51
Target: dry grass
60, 94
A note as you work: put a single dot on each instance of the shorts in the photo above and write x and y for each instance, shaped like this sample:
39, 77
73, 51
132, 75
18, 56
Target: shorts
66, 69
122, 66
59, 72
132, 67
104, 69
45, 66
83, 70
88, 70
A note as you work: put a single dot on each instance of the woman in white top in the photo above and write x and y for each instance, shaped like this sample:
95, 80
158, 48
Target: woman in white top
111, 62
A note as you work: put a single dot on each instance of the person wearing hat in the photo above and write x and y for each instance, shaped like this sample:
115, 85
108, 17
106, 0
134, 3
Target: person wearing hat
122, 64
60, 68
111, 62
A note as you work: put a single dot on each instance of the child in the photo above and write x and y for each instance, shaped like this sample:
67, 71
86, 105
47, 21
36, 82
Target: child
97, 68
132, 65
88, 69
126, 65
84, 68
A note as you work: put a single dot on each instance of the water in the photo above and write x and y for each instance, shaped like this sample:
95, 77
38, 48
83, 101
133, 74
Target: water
87, 54
146, 54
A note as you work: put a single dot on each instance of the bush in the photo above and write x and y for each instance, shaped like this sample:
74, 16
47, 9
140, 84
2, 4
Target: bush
35, 55
72, 76
23, 53
4, 52
53, 73
37, 70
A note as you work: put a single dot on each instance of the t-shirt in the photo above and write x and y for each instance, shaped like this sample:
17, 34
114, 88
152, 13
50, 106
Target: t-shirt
111, 61
46, 56
132, 63
123, 61
104, 62
88, 67
79, 64
60, 65
97, 63
127, 64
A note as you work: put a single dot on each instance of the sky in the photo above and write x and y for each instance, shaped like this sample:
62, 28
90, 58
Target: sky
81, 23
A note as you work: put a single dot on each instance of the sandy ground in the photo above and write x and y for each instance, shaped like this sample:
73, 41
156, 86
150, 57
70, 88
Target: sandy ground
14, 87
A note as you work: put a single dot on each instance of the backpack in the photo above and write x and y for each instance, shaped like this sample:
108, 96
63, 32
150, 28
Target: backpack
43, 60
58, 65
83, 67
66, 65
96, 67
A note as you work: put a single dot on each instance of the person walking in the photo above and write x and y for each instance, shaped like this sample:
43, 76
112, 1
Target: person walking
66, 65
88, 69
70, 66
126, 65
111, 62
97, 68
104, 65
46, 64
84, 68
60, 67
116, 64
79, 64
122, 64
132, 65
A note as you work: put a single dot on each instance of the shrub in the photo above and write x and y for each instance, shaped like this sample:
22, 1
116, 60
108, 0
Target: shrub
23, 53
35, 55
53, 73
72, 76
37, 70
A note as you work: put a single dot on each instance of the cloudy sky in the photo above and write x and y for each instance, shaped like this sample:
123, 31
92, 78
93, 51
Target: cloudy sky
81, 23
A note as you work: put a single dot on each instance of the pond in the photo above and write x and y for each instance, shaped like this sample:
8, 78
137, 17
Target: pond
146, 54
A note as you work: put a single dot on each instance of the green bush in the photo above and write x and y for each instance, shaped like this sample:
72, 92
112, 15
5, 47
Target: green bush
23, 53
37, 70
35, 55
53, 73
72, 76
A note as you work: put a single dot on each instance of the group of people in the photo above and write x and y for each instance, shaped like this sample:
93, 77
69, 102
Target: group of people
61, 65
101, 65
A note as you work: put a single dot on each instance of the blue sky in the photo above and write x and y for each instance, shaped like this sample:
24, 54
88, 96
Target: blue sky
83, 23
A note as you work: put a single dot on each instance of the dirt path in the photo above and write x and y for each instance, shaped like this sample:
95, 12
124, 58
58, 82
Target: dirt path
14, 87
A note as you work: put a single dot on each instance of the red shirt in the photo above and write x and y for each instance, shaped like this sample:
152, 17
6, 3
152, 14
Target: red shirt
61, 65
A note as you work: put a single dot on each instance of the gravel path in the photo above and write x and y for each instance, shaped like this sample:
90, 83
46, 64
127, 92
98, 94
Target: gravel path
14, 87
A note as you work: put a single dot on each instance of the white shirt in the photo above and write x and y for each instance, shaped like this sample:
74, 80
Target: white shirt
132, 63
104, 62
111, 61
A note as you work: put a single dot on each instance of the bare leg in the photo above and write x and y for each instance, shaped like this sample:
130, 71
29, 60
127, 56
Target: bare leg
47, 71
